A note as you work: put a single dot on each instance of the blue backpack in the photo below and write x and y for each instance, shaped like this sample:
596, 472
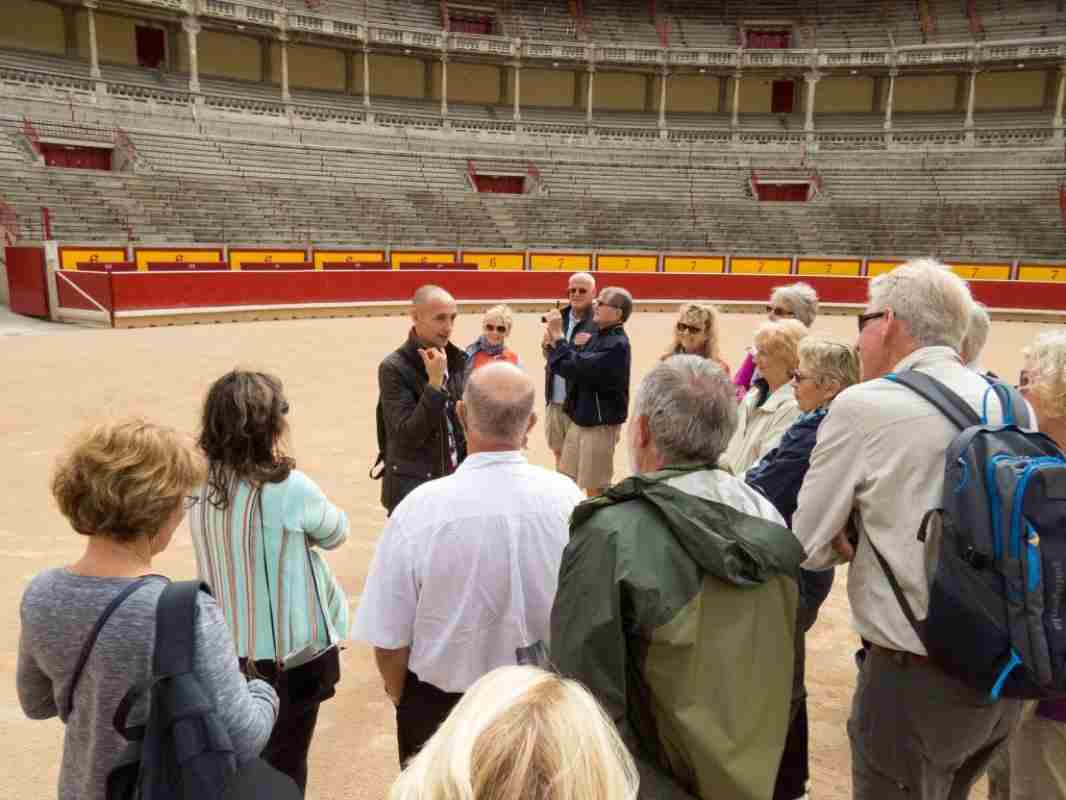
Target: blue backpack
998, 541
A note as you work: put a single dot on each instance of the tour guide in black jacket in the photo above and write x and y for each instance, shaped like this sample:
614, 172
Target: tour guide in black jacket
419, 385
597, 397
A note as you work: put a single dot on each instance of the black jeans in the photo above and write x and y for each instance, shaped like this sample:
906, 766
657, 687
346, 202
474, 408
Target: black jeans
422, 709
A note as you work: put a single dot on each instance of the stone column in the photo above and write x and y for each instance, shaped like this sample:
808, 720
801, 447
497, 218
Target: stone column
444, 84
191, 26
663, 75
366, 76
811, 79
349, 65
516, 68
283, 40
891, 99
590, 74
971, 99
736, 99
94, 52
1057, 122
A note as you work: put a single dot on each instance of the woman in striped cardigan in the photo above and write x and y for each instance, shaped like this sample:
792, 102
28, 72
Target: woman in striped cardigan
258, 532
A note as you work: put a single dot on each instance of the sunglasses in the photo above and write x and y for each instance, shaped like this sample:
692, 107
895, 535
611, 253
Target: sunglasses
577, 290
867, 318
777, 311
284, 407
609, 305
496, 328
683, 328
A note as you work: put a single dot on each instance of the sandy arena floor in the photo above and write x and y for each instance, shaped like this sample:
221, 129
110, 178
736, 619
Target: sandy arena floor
55, 384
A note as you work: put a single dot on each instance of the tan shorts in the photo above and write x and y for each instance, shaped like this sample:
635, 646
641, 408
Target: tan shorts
556, 424
588, 455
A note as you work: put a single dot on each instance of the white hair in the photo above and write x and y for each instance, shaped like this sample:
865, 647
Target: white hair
1046, 366
976, 334
929, 298
801, 300
691, 406
521, 732
829, 361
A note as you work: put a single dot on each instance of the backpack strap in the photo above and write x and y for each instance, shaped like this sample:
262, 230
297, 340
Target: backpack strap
1015, 409
175, 628
90, 640
940, 396
897, 590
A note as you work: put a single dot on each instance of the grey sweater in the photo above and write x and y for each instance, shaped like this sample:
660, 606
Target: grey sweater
58, 612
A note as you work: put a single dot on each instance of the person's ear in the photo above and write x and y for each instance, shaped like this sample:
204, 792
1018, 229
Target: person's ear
532, 422
643, 432
460, 411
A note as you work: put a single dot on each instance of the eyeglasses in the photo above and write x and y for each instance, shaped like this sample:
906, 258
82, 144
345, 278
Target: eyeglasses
577, 290
189, 501
865, 318
682, 328
284, 407
777, 311
604, 303
496, 328
799, 377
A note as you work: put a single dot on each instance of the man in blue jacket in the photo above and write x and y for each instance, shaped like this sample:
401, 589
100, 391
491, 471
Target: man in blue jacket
597, 397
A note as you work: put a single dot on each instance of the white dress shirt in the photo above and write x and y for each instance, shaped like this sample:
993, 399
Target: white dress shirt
467, 567
759, 429
881, 450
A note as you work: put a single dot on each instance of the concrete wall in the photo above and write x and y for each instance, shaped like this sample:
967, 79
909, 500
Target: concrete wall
115, 38
693, 93
32, 26
548, 87
226, 55
755, 95
394, 76
618, 91
469, 83
840, 95
1004, 90
309, 67
925, 93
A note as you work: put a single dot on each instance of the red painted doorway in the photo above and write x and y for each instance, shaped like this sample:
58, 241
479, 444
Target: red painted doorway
783, 97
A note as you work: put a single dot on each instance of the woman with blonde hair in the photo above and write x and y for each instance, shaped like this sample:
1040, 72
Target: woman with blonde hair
696, 333
796, 301
126, 487
521, 733
491, 345
769, 408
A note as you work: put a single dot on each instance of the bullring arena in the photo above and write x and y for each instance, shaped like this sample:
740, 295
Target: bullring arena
190, 185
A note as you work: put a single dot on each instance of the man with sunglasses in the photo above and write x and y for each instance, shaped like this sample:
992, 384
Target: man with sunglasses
597, 398
577, 326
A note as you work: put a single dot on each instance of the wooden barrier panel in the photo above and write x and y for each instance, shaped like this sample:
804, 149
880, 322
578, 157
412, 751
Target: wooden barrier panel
185, 266
708, 264
107, 266
495, 260
875, 268
1050, 273
276, 266
560, 262
627, 263
981, 272
406, 257
27, 281
323, 257
239, 256
818, 266
70, 257
143, 256
761, 266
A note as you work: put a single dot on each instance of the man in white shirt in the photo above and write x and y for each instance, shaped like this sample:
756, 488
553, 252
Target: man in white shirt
915, 732
466, 570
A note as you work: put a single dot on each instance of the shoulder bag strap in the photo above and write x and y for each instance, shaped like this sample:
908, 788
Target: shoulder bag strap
897, 590
175, 628
90, 641
318, 596
936, 393
278, 657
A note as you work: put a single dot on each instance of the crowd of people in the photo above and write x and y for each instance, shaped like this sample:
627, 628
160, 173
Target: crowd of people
554, 634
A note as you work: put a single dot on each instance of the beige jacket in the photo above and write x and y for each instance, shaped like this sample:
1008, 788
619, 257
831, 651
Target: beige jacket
759, 430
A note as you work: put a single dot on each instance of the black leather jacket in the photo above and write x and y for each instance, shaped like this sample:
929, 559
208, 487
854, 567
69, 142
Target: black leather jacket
415, 418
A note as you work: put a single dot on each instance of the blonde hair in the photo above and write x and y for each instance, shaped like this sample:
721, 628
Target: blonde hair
1046, 368
830, 360
705, 316
501, 312
123, 479
521, 732
933, 301
801, 300
781, 340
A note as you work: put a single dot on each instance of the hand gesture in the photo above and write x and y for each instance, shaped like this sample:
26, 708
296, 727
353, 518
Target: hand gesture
547, 341
582, 339
555, 324
435, 361
843, 546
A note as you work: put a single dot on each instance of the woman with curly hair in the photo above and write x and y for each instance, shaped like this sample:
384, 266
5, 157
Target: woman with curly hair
257, 531
696, 333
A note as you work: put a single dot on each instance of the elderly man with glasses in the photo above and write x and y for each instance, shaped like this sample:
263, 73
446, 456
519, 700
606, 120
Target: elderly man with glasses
577, 326
597, 396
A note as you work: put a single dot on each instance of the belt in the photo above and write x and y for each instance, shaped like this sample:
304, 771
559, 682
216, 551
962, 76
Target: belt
901, 657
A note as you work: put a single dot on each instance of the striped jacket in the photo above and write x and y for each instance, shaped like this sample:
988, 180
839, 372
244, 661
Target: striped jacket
249, 584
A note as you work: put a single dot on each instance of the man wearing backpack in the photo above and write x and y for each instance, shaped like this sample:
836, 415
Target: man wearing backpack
916, 731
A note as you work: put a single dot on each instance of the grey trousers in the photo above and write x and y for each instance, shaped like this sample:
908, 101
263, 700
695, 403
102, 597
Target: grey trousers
918, 734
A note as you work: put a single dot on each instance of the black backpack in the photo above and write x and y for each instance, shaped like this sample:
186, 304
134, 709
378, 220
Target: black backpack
183, 750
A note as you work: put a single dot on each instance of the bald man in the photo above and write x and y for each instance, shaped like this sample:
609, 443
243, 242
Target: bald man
466, 569
419, 435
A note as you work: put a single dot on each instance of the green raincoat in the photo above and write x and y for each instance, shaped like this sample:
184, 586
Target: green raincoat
679, 613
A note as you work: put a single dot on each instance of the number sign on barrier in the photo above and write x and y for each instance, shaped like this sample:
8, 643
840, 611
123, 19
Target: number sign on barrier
817, 266
323, 257
145, 256
627, 263
237, 258
982, 272
560, 262
414, 257
875, 268
503, 260
761, 266
693, 264
70, 257
1048, 273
